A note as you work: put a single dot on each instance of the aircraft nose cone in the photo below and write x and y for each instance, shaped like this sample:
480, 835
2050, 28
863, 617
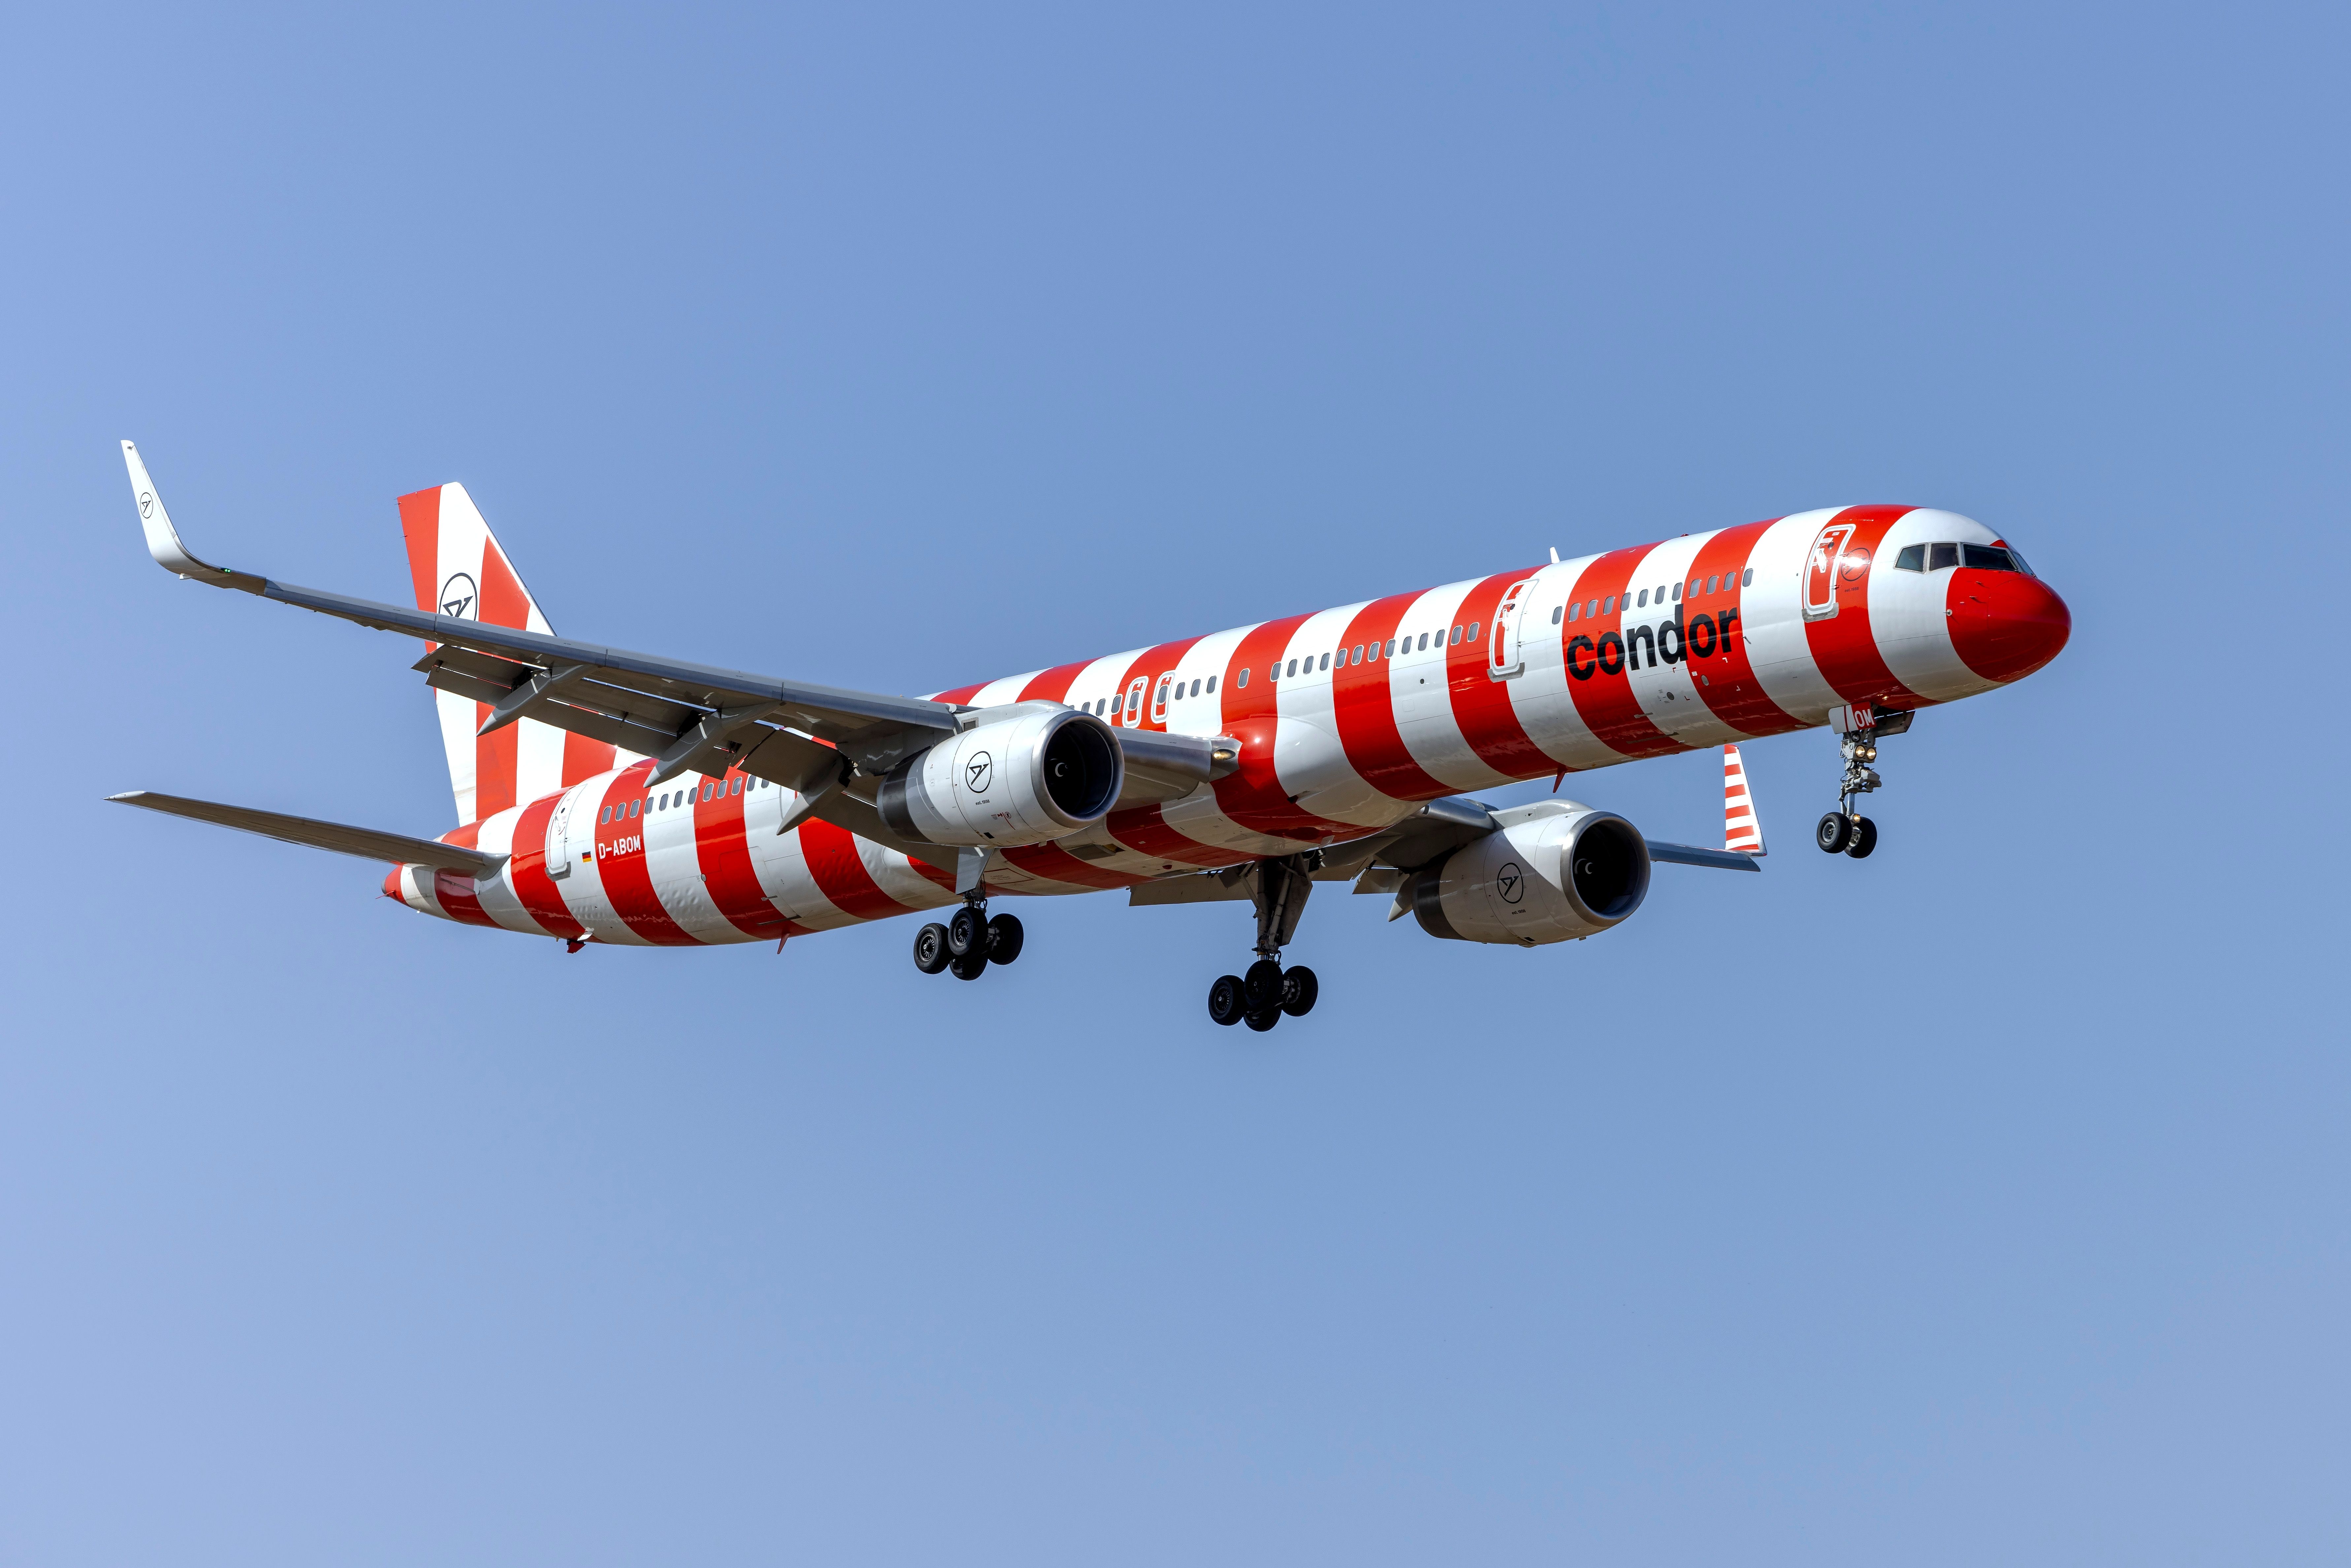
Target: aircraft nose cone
2005, 625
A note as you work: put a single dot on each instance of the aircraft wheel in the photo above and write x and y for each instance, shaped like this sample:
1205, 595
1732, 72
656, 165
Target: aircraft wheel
1004, 938
968, 932
970, 966
1262, 1021
931, 953
1262, 987
1834, 831
1299, 990
1224, 999
1865, 839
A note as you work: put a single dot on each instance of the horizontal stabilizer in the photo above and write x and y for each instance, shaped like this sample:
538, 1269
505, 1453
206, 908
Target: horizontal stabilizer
366, 842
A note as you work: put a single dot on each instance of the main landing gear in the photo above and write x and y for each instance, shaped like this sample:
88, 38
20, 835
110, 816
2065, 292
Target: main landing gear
969, 943
1845, 830
1259, 998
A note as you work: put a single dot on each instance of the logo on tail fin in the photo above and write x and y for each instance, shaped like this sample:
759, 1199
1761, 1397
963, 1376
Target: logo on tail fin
458, 596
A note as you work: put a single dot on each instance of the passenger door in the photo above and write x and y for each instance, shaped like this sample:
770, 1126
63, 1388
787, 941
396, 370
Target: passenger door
1504, 659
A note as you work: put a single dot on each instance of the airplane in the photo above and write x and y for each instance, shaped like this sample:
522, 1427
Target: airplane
629, 800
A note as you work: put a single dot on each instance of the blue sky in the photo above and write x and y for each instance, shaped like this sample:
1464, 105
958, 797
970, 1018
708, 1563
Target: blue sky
1984, 1201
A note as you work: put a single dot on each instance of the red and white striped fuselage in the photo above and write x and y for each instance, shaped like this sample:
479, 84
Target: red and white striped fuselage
1348, 719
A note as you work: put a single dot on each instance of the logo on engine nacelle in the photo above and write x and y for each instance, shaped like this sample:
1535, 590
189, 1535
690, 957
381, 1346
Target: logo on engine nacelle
974, 772
457, 596
1511, 882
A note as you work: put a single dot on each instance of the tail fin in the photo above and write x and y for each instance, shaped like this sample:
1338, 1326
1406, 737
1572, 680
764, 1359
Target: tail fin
1742, 830
460, 569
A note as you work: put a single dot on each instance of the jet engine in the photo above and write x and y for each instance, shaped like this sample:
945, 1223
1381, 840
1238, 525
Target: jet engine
1042, 771
1574, 873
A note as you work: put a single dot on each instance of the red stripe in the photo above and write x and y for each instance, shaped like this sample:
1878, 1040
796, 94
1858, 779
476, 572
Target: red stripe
958, 694
1053, 685
1843, 645
1058, 865
1144, 830
628, 879
503, 603
1604, 698
724, 853
542, 900
1481, 706
419, 524
584, 759
1362, 705
1251, 795
840, 873
457, 898
457, 894
1728, 687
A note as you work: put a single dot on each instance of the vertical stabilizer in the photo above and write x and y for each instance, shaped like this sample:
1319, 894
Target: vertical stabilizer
1741, 831
459, 570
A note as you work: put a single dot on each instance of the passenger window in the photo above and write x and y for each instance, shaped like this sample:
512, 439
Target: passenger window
1608, 605
1457, 636
1163, 694
1326, 661
1747, 578
1712, 583
1473, 631
1642, 602
1195, 688
1912, 559
1575, 611
1293, 670
1557, 613
737, 789
1390, 646
1118, 703
633, 809
1677, 591
1243, 681
1212, 684
603, 816
1424, 642
1941, 556
1988, 558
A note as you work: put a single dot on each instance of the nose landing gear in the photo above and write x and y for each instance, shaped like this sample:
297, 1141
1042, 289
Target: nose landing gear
1845, 830
1259, 998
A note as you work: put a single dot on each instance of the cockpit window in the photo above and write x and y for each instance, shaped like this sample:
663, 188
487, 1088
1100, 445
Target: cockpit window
1941, 556
1912, 559
1988, 558
2017, 556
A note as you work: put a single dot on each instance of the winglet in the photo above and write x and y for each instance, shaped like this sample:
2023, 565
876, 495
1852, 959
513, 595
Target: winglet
163, 540
1742, 830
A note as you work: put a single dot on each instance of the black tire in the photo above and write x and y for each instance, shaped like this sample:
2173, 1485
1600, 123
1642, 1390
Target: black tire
1865, 839
968, 932
1262, 1020
1004, 938
1299, 990
1834, 831
1224, 999
970, 966
931, 953
1262, 987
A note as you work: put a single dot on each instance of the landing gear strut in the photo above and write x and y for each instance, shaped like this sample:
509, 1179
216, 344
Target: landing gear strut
1258, 999
1845, 830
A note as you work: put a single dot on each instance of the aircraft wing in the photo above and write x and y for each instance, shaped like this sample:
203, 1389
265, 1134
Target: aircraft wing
688, 718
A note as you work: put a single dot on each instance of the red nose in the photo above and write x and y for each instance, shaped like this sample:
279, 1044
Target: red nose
2005, 624
391, 884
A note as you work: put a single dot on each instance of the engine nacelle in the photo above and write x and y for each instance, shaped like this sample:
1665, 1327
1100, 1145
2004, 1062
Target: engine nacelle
1041, 772
1552, 879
